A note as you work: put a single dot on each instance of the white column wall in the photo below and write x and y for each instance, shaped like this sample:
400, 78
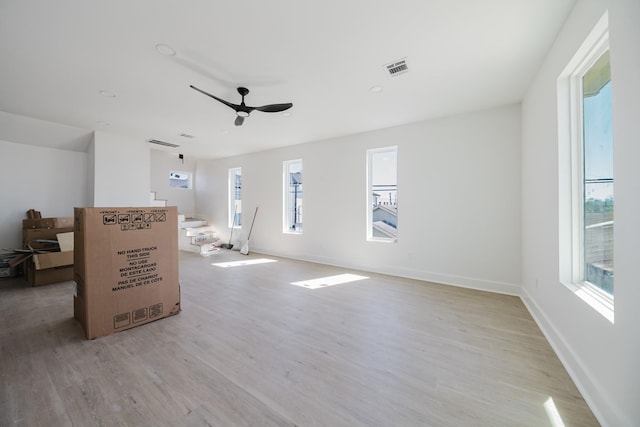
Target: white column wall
121, 170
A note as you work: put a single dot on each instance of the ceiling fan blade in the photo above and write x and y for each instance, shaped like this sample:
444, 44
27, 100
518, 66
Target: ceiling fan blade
274, 108
227, 103
239, 120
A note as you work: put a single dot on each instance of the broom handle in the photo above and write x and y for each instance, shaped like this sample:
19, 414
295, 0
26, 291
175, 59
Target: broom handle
254, 220
233, 222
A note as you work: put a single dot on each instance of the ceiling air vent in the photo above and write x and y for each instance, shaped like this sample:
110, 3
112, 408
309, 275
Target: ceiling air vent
396, 68
166, 144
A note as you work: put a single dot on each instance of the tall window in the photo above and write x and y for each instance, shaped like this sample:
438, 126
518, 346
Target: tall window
598, 175
235, 198
292, 196
586, 172
382, 194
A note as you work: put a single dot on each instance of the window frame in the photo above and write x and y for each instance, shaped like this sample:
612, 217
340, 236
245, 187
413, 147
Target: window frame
369, 194
286, 199
572, 174
189, 179
232, 201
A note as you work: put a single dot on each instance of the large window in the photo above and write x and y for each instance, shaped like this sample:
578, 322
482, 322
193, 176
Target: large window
292, 196
586, 172
382, 194
235, 198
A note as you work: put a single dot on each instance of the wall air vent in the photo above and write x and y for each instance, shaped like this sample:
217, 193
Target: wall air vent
166, 144
396, 68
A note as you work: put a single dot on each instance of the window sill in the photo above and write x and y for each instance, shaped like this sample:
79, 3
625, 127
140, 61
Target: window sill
370, 239
597, 299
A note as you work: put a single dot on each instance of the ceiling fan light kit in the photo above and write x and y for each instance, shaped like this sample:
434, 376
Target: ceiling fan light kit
243, 110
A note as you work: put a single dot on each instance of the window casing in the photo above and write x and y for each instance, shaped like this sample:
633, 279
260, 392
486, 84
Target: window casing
235, 198
292, 196
179, 179
382, 194
586, 172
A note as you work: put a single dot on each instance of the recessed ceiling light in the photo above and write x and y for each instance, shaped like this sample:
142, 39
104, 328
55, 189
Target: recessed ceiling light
287, 114
186, 135
164, 49
225, 131
376, 89
107, 93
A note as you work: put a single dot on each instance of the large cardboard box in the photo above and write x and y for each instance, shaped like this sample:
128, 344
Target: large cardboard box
126, 267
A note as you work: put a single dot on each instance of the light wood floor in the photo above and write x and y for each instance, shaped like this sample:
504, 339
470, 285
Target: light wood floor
250, 349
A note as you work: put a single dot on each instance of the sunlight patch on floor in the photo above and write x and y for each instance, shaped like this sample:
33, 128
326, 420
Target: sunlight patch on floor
553, 414
324, 282
243, 263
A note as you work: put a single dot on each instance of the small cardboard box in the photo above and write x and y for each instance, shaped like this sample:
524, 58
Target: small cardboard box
33, 234
48, 276
126, 267
58, 222
52, 267
52, 260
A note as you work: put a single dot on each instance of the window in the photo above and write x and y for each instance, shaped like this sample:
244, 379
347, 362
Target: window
382, 194
586, 172
235, 198
292, 196
598, 175
179, 179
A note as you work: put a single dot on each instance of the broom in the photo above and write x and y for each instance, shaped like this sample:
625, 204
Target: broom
233, 224
245, 247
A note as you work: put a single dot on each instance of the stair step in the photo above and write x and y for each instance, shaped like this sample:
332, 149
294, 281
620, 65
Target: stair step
207, 246
195, 231
203, 237
192, 222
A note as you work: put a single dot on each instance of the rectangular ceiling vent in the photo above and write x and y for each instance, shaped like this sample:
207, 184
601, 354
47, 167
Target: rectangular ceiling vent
396, 68
166, 144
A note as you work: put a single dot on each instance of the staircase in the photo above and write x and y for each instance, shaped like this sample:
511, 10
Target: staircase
156, 202
196, 235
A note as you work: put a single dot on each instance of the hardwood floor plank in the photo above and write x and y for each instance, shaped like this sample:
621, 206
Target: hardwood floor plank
251, 349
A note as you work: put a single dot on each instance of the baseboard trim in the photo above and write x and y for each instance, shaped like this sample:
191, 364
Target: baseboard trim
427, 276
580, 375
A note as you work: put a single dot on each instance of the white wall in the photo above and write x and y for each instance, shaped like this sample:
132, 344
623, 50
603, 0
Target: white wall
49, 180
603, 358
458, 191
162, 163
122, 169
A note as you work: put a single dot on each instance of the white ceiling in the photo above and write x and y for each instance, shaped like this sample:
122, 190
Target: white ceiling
322, 56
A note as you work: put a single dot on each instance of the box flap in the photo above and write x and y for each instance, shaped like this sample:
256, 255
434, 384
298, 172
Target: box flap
65, 240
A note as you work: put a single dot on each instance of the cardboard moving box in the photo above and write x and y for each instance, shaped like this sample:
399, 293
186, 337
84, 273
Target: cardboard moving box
52, 267
126, 267
58, 222
52, 260
49, 275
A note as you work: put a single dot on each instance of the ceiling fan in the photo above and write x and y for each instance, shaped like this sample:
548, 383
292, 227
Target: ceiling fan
244, 110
